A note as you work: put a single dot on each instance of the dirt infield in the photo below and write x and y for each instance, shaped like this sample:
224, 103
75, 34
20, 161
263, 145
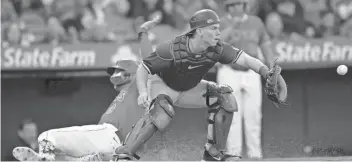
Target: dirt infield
342, 158
185, 138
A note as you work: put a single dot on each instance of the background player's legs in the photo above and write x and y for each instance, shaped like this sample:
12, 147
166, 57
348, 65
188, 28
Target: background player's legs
226, 75
253, 114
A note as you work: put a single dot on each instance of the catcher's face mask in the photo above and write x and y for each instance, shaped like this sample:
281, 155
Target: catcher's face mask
120, 79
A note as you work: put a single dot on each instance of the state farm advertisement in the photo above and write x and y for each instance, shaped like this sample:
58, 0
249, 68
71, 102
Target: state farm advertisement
56, 57
314, 53
293, 55
65, 57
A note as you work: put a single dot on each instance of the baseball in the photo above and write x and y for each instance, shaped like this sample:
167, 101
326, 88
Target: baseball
308, 149
342, 69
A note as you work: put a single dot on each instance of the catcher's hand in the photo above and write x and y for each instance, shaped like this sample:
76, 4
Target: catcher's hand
275, 87
145, 27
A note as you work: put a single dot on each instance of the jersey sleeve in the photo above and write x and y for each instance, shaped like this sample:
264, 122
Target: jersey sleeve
159, 60
229, 54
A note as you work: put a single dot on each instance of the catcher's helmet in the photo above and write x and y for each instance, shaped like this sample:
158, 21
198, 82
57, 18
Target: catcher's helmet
129, 66
203, 18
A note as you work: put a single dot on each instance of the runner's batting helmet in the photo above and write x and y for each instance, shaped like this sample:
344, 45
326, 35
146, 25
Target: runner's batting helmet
129, 66
203, 18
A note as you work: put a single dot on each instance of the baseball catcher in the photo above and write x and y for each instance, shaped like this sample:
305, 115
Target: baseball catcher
172, 76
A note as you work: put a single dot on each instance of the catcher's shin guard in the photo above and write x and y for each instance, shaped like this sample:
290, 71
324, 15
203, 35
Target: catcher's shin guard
158, 118
220, 119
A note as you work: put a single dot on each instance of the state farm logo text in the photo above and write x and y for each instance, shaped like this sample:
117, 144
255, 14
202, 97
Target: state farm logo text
327, 51
15, 57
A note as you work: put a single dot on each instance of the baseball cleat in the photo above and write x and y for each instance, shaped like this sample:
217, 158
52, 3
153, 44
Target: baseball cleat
28, 154
208, 157
94, 157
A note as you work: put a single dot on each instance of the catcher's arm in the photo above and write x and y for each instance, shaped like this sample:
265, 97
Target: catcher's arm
146, 46
253, 64
275, 87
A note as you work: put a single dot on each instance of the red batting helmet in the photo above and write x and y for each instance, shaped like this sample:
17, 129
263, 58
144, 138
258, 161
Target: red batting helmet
203, 18
129, 66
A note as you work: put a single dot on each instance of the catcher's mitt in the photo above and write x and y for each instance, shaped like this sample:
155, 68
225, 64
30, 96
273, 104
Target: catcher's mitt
276, 93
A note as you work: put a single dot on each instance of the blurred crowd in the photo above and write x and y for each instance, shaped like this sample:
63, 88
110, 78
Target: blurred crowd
306, 18
27, 22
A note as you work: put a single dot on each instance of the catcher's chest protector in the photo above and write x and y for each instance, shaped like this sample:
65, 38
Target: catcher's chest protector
188, 63
188, 68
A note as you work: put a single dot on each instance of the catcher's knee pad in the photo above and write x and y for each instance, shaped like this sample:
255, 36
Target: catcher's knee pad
160, 114
224, 96
158, 118
162, 111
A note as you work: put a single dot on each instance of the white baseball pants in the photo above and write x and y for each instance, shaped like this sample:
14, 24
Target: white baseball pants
247, 90
80, 141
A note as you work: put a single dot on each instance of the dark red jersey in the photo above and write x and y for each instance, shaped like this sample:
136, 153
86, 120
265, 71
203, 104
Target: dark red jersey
181, 69
124, 111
